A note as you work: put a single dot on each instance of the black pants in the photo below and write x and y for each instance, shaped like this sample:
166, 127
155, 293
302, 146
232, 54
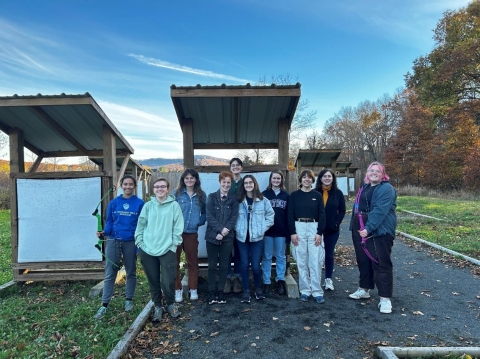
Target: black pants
371, 273
161, 273
218, 254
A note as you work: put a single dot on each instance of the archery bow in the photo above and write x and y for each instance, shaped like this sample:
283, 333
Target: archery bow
362, 226
100, 227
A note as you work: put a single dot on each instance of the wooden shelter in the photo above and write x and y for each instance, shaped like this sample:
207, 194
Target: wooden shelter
59, 126
235, 117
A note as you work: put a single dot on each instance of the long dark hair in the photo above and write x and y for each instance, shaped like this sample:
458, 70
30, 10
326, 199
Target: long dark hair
318, 186
197, 187
282, 183
242, 193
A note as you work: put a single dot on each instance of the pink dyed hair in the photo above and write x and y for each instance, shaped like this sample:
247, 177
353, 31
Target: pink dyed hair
381, 168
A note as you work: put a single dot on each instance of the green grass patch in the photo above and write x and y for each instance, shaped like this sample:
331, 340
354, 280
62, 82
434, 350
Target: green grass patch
55, 319
459, 230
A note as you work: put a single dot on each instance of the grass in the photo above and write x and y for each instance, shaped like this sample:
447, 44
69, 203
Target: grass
55, 319
459, 230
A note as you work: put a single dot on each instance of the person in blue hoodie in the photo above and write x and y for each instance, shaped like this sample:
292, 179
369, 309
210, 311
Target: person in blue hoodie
275, 239
192, 200
122, 217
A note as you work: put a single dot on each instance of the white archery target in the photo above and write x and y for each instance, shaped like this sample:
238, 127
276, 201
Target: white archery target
55, 221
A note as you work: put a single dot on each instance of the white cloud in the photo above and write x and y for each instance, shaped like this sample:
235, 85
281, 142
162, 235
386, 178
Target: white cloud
176, 67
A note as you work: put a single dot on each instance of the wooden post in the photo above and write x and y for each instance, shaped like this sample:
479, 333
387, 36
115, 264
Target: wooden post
17, 165
283, 132
109, 165
188, 153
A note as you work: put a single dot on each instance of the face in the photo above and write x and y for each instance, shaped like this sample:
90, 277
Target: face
160, 189
236, 168
276, 180
189, 180
374, 174
327, 179
248, 184
307, 181
128, 186
225, 184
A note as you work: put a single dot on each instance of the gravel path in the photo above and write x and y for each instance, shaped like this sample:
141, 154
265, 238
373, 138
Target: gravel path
436, 303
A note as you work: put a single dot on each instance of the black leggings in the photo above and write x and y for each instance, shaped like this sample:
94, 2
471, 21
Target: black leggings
371, 273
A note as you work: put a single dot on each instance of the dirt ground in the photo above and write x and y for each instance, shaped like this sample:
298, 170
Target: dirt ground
436, 303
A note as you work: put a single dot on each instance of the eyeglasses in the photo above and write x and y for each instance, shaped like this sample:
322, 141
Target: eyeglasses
235, 165
160, 187
250, 183
374, 171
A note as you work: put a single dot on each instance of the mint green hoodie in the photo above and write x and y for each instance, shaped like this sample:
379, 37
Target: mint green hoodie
160, 227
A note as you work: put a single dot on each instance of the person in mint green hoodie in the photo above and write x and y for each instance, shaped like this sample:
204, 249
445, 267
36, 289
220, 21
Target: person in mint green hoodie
159, 232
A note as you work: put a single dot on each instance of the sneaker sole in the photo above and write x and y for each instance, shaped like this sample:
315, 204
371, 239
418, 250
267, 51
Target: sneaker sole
356, 298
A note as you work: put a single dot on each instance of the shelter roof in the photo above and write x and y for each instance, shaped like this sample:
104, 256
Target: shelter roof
59, 125
317, 158
119, 161
233, 117
342, 166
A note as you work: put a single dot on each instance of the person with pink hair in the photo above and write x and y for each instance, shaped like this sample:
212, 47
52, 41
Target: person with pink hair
373, 227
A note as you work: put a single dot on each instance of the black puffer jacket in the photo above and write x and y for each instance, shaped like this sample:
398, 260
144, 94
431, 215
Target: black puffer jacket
221, 214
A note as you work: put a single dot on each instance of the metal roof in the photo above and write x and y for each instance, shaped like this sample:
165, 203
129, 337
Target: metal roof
59, 125
235, 116
317, 158
342, 166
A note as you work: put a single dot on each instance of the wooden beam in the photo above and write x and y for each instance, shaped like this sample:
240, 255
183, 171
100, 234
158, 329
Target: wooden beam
188, 148
109, 162
54, 125
45, 101
283, 131
35, 164
246, 169
60, 275
70, 174
232, 92
89, 153
59, 265
17, 160
234, 146
121, 172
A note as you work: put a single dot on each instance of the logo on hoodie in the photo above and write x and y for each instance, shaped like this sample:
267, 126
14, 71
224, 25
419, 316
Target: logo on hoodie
126, 206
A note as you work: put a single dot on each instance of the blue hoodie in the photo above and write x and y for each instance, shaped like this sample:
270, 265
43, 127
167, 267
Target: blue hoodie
122, 217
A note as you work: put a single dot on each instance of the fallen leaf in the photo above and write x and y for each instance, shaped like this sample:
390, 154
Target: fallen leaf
246, 310
257, 338
254, 345
417, 312
326, 324
307, 348
306, 328
455, 293
275, 318
214, 334
192, 331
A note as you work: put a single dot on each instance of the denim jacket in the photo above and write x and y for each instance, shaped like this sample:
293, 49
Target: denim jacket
194, 215
261, 219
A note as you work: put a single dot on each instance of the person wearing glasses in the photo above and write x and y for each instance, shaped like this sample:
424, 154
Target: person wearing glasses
159, 233
122, 217
373, 226
191, 199
222, 214
255, 217
334, 204
234, 279
306, 222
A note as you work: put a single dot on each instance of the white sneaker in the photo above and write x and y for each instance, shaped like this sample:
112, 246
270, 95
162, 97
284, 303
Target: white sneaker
193, 294
385, 305
328, 284
360, 293
178, 295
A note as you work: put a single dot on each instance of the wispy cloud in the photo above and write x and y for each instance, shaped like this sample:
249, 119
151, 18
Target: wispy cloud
176, 67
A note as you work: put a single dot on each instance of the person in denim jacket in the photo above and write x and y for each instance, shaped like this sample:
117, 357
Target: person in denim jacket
191, 199
222, 214
255, 217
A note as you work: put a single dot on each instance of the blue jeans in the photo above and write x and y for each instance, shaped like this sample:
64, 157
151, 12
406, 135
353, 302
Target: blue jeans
250, 252
271, 243
330, 243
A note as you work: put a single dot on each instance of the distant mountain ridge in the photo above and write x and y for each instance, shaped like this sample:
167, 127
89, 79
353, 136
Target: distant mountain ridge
161, 162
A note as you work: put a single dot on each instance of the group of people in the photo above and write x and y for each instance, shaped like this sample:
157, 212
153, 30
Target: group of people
254, 226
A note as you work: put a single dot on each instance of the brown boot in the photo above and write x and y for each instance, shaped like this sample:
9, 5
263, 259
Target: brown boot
228, 286
237, 285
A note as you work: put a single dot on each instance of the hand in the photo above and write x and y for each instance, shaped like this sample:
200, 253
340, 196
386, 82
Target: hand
363, 233
100, 234
219, 237
318, 240
225, 231
294, 238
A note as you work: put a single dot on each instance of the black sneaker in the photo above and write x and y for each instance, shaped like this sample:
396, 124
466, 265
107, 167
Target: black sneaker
212, 298
281, 287
245, 297
259, 294
266, 288
221, 298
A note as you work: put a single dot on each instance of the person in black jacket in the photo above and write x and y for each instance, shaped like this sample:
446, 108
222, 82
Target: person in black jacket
334, 203
275, 239
222, 214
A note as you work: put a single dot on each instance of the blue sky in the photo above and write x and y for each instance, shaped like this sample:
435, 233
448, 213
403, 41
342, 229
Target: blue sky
127, 54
